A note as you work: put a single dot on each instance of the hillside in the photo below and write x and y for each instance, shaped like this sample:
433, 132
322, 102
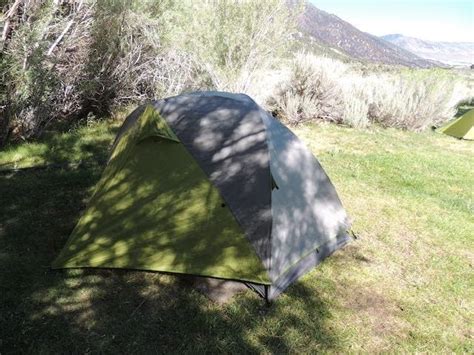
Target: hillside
329, 30
453, 53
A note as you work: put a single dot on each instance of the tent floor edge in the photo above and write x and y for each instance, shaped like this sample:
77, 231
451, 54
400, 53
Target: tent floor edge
304, 265
249, 284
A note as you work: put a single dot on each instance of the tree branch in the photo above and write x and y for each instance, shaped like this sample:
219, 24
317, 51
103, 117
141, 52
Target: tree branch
63, 33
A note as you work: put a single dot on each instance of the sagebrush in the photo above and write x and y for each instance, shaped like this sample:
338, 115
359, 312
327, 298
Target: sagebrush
311, 92
63, 60
322, 89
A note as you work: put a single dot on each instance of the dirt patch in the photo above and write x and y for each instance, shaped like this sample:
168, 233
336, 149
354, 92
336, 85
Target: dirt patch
220, 291
377, 311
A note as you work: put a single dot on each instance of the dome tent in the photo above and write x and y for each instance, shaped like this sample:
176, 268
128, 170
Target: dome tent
209, 184
462, 127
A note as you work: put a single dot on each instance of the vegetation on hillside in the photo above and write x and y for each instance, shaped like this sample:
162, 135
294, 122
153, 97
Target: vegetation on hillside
62, 61
359, 95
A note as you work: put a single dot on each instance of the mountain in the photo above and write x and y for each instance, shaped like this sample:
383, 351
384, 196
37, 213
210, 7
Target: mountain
453, 53
331, 31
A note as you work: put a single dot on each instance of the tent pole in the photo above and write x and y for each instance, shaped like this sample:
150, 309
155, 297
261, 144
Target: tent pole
266, 295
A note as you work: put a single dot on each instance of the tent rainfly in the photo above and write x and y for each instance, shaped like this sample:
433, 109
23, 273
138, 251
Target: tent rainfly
209, 184
462, 127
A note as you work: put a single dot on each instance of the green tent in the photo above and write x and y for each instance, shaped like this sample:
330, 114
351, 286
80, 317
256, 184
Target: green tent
462, 127
209, 184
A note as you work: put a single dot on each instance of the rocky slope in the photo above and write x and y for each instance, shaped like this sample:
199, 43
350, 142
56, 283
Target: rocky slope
329, 30
453, 53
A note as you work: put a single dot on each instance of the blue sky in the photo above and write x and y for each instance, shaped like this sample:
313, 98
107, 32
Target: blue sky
438, 20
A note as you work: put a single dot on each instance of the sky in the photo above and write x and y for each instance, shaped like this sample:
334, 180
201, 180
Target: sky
436, 20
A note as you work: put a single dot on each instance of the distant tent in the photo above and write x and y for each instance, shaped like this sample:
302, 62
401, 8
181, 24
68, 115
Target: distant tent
463, 127
210, 184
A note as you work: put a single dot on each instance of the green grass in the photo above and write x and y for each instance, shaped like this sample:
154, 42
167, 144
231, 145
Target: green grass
87, 143
406, 284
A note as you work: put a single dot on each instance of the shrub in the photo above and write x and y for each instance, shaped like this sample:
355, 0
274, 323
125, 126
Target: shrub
31, 83
64, 59
233, 40
413, 100
311, 93
324, 89
356, 105
135, 62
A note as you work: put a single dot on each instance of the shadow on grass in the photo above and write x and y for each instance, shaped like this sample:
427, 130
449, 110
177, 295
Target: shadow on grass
117, 311
43, 311
84, 144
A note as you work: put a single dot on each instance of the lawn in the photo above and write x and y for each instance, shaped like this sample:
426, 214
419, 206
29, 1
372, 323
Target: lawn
406, 283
